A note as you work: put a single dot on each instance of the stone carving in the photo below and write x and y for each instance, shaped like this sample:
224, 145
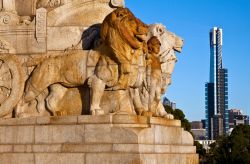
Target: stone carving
8, 18
170, 43
119, 49
153, 72
149, 102
11, 83
41, 28
5, 19
125, 34
48, 3
5, 47
8, 5
117, 3
115, 61
120, 68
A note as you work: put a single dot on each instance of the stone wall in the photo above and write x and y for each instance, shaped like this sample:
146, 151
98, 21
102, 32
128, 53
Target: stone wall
95, 139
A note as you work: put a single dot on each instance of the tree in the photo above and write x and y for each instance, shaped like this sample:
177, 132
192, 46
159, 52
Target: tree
232, 149
240, 144
168, 109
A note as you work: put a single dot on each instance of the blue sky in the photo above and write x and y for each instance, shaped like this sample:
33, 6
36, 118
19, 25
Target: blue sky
192, 20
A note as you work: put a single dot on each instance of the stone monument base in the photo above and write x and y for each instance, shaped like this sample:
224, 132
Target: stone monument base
108, 139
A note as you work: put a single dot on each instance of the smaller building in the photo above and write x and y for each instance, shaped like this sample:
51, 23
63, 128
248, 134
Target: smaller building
236, 117
198, 131
199, 134
203, 123
196, 125
167, 102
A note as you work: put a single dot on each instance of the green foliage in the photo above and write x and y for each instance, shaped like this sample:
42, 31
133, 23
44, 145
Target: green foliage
240, 144
186, 125
232, 149
178, 114
168, 109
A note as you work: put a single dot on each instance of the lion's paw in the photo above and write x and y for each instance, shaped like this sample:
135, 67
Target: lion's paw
169, 116
97, 112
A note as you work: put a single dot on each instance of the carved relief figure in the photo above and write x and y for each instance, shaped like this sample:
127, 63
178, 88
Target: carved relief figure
113, 61
166, 62
154, 75
122, 41
169, 44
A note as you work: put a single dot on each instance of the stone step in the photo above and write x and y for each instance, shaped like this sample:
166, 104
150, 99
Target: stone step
96, 148
88, 119
108, 139
97, 158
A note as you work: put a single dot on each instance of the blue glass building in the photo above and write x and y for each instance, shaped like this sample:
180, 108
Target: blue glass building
216, 90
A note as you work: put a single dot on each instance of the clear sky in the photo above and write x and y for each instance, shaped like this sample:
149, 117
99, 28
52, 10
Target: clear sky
192, 20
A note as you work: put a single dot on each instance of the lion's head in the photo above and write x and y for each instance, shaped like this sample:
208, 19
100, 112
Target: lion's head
122, 26
168, 39
169, 44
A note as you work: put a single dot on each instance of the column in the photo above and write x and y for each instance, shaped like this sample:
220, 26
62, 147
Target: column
8, 5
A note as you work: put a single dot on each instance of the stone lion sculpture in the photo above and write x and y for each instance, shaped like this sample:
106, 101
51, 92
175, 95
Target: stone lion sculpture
108, 65
156, 83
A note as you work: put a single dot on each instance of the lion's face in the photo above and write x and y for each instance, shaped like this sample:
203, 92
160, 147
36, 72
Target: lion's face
168, 39
125, 25
169, 44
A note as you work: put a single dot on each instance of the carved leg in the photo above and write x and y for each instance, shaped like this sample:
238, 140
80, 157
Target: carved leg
97, 90
57, 91
135, 96
30, 93
152, 94
125, 73
123, 82
41, 107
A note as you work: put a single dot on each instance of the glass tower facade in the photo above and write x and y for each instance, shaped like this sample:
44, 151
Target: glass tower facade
216, 90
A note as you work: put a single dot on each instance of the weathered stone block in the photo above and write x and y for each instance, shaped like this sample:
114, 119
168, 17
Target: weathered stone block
100, 133
162, 121
59, 134
167, 135
129, 119
16, 134
87, 148
88, 119
57, 120
47, 148
108, 158
18, 121
186, 138
6, 148
22, 148
78, 139
17, 158
59, 158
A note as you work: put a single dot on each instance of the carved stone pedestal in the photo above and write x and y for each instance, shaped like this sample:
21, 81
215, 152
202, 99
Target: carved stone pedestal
109, 139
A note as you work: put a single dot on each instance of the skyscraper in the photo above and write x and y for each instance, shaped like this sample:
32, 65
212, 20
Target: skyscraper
216, 90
